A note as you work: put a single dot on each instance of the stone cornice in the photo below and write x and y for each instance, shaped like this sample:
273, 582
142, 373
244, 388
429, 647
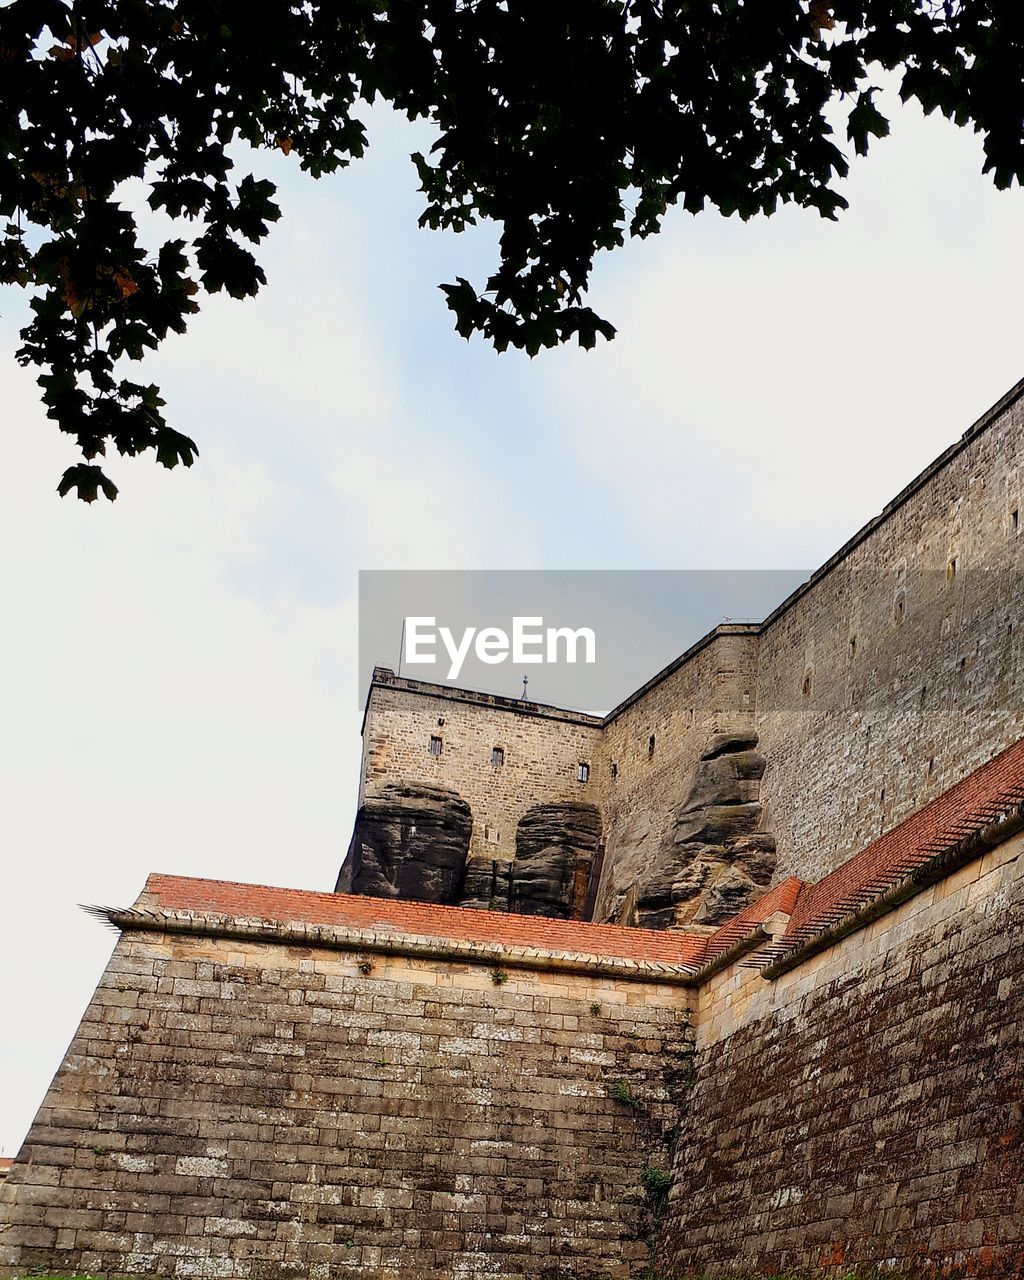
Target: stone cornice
385, 942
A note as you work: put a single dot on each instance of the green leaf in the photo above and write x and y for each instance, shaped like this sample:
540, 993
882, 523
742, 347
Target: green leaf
172, 447
865, 122
568, 127
87, 482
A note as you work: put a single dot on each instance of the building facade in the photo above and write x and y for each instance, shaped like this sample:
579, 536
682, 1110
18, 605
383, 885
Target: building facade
893, 672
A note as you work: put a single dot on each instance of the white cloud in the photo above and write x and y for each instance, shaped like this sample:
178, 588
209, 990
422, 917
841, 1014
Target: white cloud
773, 384
179, 686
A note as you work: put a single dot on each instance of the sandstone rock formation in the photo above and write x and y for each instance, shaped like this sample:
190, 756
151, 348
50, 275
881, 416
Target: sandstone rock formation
486, 884
555, 847
713, 860
410, 841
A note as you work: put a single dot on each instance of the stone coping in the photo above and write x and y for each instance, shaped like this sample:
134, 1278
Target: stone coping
385, 678
758, 946
936, 869
386, 942
406, 918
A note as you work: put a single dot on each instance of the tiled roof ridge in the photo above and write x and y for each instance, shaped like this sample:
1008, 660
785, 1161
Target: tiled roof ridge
967, 808
347, 937
781, 899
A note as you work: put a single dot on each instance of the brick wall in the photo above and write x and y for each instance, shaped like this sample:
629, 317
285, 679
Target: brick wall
866, 1106
234, 1108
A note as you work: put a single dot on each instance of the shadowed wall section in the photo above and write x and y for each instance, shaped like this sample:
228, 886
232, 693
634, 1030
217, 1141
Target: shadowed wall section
868, 1106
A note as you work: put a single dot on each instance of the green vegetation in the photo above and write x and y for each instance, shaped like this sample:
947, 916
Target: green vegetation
570, 127
621, 1092
656, 1182
498, 976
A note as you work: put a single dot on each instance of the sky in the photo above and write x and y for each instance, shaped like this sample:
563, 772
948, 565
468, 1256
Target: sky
179, 689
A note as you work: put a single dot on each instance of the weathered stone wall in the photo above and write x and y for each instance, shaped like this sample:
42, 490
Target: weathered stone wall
542, 747
243, 1109
900, 670
867, 1106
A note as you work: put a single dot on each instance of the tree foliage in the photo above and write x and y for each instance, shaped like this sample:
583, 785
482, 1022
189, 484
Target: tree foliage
571, 123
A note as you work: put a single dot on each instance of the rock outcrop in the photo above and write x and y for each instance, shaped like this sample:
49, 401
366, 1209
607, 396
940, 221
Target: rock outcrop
555, 847
714, 860
410, 841
486, 884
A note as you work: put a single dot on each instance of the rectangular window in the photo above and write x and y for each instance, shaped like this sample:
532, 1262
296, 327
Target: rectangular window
497, 756
582, 771
435, 745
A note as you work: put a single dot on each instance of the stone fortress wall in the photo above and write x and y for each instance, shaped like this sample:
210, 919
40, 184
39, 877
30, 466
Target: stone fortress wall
457, 789
893, 672
323, 1096
710, 691
273, 1084
911, 643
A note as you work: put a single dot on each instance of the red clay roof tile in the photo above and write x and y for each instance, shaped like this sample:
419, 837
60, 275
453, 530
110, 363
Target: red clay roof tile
997, 788
420, 919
